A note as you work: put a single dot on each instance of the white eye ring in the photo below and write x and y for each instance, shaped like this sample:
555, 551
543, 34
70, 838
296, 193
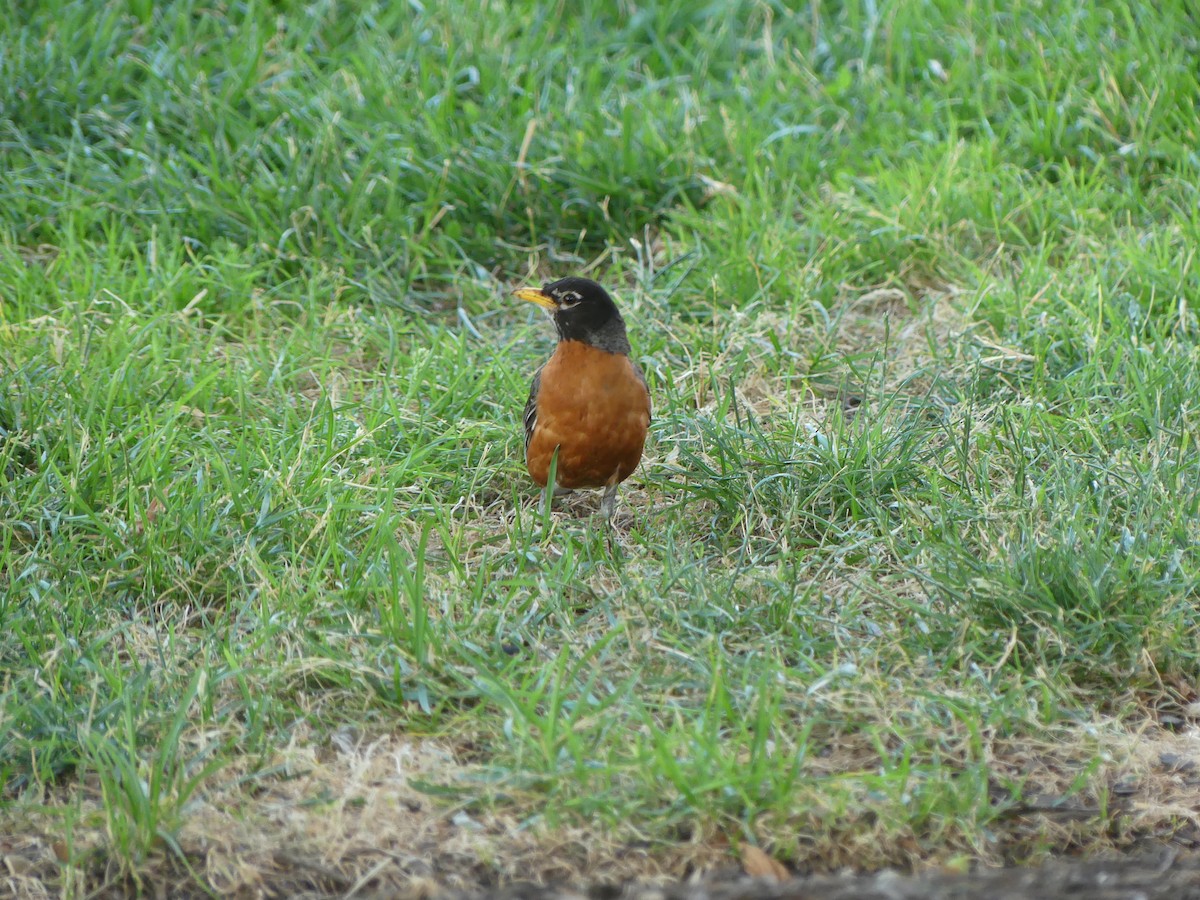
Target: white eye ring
568, 299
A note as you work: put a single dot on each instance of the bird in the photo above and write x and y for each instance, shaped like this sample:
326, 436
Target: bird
589, 402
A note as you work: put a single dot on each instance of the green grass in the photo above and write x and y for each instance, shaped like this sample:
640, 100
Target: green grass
915, 285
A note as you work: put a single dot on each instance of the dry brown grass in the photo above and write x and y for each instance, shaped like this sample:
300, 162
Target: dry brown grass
354, 816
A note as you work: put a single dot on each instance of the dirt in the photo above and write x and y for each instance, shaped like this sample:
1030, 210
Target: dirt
1170, 875
1143, 879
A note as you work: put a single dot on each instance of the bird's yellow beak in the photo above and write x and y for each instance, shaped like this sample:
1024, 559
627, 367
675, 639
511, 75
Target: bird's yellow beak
534, 295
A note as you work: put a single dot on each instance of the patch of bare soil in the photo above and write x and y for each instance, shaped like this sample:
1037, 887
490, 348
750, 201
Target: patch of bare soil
1166, 877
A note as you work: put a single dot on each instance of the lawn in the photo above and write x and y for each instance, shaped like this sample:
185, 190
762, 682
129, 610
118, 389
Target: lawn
908, 576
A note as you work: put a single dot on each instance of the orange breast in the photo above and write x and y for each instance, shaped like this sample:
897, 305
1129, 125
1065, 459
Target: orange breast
594, 407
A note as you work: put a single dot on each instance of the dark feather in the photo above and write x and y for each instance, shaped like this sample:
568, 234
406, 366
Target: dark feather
530, 415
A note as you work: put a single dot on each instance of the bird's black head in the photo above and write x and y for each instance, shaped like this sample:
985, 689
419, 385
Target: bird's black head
582, 311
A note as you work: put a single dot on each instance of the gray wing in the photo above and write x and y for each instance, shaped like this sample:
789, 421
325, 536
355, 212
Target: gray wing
530, 415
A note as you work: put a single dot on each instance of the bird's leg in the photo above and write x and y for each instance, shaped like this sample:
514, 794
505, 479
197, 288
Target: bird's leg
608, 500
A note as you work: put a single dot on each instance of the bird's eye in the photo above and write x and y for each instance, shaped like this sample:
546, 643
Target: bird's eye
568, 299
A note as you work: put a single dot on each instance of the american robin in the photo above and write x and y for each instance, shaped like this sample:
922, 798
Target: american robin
589, 402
